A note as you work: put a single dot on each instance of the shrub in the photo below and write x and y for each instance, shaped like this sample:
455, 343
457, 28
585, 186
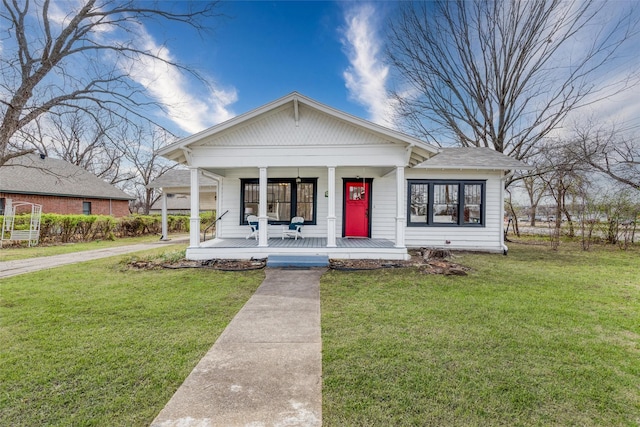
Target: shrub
76, 228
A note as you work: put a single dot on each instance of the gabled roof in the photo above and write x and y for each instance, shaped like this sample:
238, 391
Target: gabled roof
417, 149
179, 178
31, 174
472, 158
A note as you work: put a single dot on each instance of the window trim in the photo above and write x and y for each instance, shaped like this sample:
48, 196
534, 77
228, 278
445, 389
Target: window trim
294, 197
461, 202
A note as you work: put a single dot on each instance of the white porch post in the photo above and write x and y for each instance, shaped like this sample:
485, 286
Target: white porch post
263, 219
194, 222
218, 206
331, 207
401, 218
501, 239
165, 228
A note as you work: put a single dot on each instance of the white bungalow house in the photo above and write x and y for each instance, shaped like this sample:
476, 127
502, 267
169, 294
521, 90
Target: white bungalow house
364, 191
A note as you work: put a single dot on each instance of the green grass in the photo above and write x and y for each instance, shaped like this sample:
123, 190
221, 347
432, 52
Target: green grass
96, 344
534, 338
24, 252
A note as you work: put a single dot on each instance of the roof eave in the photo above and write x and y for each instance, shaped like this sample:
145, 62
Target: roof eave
84, 196
174, 151
469, 167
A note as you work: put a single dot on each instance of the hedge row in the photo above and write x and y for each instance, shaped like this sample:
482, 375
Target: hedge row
83, 228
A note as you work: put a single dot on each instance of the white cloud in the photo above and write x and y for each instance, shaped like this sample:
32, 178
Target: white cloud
366, 77
191, 111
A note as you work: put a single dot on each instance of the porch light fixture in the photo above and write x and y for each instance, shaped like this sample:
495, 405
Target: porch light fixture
298, 179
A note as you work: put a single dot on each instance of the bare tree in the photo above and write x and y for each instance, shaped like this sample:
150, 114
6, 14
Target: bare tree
55, 59
611, 152
140, 146
504, 74
536, 189
83, 140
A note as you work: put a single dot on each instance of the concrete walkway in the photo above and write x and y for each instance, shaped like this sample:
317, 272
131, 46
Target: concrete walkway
266, 367
21, 266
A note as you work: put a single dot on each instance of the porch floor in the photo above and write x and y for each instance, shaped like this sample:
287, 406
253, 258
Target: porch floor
307, 242
345, 248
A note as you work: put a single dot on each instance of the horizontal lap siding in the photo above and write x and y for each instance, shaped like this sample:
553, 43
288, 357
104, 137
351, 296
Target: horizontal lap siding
230, 227
472, 238
383, 204
384, 208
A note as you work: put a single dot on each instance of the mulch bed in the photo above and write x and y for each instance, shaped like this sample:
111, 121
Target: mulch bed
432, 266
426, 261
212, 264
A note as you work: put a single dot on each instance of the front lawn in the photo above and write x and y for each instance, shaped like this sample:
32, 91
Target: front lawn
534, 338
91, 344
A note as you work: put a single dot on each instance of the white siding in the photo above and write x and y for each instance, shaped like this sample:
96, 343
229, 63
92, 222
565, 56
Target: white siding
279, 129
230, 227
383, 212
487, 238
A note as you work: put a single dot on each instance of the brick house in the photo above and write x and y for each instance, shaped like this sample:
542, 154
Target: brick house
60, 187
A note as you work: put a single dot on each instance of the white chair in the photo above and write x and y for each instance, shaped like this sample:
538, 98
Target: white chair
253, 224
294, 229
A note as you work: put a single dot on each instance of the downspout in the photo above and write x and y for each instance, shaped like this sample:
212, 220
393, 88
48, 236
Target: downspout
503, 180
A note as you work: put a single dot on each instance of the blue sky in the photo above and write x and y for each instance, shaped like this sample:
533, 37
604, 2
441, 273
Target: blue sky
330, 51
263, 50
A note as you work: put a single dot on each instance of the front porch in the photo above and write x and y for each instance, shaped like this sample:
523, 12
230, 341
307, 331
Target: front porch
346, 248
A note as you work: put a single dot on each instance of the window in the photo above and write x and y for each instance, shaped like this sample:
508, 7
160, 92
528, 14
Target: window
445, 203
286, 198
356, 192
1, 205
86, 208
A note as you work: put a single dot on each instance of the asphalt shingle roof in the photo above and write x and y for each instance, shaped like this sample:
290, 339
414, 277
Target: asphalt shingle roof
472, 158
179, 178
31, 174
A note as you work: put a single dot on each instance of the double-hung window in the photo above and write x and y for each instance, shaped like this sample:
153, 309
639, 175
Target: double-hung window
286, 198
445, 203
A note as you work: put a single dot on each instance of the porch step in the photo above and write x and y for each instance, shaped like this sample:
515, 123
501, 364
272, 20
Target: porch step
297, 261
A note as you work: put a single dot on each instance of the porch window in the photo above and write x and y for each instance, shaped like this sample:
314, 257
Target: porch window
445, 203
286, 198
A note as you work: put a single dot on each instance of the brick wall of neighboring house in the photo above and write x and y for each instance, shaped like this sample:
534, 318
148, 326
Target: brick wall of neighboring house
72, 205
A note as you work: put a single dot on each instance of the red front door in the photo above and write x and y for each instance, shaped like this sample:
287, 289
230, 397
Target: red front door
356, 208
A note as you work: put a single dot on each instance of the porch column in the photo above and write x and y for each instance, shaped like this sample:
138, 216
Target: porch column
401, 219
331, 207
194, 222
263, 219
165, 228
501, 210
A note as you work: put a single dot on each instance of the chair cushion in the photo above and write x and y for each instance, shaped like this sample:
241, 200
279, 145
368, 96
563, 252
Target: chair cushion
254, 224
294, 226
